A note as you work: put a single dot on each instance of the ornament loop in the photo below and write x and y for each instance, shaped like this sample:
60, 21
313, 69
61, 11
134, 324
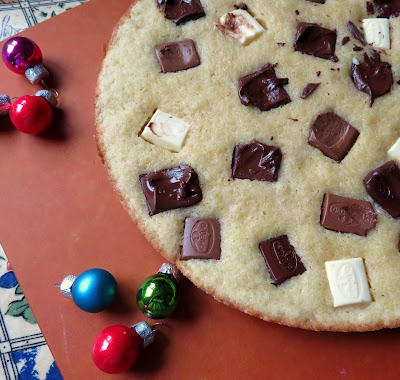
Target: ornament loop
170, 269
37, 73
157, 326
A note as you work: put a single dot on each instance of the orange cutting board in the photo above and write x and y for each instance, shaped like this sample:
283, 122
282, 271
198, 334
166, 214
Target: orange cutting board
59, 215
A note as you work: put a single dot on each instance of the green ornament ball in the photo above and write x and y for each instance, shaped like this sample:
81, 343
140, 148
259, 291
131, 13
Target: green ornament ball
158, 296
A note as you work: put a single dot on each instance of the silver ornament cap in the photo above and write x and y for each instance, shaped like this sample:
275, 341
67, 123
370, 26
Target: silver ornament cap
50, 96
66, 286
170, 269
145, 331
5, 105
37, 73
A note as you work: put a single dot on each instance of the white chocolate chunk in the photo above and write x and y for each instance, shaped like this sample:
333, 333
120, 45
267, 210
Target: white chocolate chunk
394, 151
376, 32
347, 281
166, 131
240, 25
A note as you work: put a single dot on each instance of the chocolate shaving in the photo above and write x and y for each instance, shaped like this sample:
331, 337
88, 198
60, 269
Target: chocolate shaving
345, 40
356, 33
309, 89
357, 48
242, 6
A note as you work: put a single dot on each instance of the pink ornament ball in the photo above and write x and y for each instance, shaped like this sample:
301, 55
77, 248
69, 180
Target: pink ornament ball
21, 53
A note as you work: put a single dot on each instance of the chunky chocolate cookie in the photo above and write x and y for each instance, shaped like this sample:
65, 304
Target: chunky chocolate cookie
250, 143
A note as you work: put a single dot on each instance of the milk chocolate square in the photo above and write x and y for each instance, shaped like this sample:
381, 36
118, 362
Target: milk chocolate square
170, 189
201, 239
347, 215
263, 89
181, 11
383, 185
256, 161
332, 135
315, 40
177, 56
281, 259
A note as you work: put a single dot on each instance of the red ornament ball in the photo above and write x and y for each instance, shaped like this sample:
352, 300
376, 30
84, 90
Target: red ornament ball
31, 114
116, 349
21, 53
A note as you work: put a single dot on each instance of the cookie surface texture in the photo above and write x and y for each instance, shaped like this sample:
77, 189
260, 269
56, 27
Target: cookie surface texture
131, 87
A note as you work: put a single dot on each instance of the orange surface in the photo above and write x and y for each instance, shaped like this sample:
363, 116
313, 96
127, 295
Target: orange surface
60, 215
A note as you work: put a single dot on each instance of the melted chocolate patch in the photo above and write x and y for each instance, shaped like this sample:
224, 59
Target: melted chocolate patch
383, 186
256, 161
315, 40
177, 56
356, 33
201, 239
170, 189
263, 89
181, 11
347, 215
309, 89
372, 76
281, 259
387, 8
332, 135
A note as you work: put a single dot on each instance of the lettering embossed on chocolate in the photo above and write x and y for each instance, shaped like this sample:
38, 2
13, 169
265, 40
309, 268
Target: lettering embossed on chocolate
256, 161
383, 185
347, 215
201, 239
171, 189
177, 56
372, 76
315, 40
263, 89
281, 259
387, 8
181, 11
332, 135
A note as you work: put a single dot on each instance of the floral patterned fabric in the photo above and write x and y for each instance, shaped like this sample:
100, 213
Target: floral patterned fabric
17, 15
24, 354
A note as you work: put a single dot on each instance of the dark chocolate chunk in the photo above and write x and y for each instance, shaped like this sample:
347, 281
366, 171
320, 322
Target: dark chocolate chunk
345, 40
369, 7
281, 44
181, 11
383, 186
356, 33
256, 161
170, 189
332, 135
357, 48
201, 239
242, 6
263, 89
309, 89
347, 215
372, 76
318, 73
315, 40
177, 56
297, 12
387, 8
281, 259
317, 1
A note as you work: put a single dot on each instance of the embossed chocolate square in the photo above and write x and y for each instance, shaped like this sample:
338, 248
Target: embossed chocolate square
263, 89
181, 11
383, 185
281, 259
332, 135
177, 56
256, 161
315, 40
170, 189
201, 239
347, 215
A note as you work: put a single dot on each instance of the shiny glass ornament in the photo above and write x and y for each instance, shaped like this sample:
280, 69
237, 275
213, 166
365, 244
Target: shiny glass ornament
31, 114
158, 296
21, 53
92, 291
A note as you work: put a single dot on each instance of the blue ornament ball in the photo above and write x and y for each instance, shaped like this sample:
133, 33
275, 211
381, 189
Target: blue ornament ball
94, 290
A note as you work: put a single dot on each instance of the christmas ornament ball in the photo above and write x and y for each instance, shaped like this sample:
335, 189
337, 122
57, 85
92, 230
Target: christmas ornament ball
21, 53
31, 114
158, 296
94, 290
116, 349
